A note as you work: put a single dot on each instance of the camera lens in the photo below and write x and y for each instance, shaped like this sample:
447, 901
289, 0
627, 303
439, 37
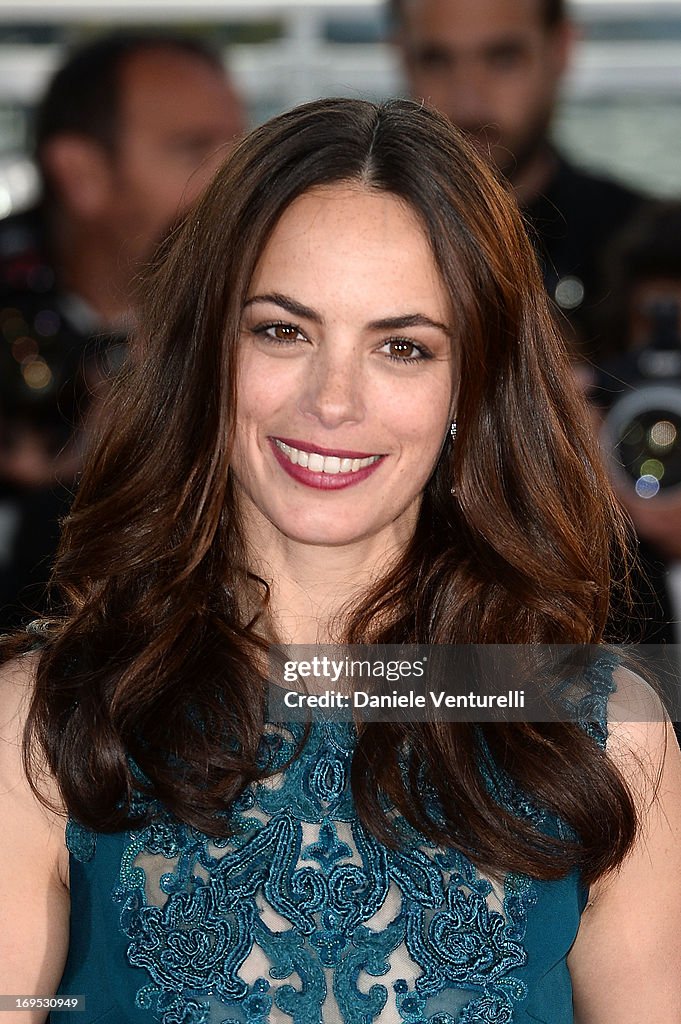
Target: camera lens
642, 433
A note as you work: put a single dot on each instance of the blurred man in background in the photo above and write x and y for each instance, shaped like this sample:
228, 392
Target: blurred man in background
494, 68
129, 132
639, 389
637, 395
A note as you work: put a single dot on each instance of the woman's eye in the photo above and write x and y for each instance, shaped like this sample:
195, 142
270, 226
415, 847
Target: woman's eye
401, 350
280, 332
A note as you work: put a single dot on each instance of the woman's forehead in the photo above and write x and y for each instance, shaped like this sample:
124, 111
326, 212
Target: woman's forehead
344, 238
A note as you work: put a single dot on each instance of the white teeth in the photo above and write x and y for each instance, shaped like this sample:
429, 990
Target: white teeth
317, 463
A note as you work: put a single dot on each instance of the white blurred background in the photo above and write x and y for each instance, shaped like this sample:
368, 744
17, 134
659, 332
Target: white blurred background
621, 109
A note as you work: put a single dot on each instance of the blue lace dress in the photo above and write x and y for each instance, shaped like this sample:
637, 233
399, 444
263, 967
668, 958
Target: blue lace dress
303, 917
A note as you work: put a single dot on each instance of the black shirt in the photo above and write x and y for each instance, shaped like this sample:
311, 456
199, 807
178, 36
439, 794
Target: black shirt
572, 224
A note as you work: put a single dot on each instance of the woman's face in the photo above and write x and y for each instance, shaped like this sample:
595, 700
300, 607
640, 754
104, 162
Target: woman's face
345, 373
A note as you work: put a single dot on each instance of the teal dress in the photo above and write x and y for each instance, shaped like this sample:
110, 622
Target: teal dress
303, 917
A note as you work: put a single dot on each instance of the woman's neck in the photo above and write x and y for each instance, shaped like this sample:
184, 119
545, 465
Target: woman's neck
312, 589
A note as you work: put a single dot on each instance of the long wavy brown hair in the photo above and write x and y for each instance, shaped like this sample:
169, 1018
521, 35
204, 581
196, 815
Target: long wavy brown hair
154, 659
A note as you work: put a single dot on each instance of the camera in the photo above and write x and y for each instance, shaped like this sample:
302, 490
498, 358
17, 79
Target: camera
48, 368
640, 395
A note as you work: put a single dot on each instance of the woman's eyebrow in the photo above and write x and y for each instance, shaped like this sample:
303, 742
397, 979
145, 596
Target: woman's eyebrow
396, 323
290, 305
388, 323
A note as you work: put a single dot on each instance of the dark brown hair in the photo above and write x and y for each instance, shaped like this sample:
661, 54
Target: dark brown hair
155, 659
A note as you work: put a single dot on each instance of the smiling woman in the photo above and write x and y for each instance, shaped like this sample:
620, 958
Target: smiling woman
279, 465
358, 388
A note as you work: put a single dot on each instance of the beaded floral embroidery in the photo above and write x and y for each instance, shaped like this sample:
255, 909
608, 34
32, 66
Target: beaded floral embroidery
303, 916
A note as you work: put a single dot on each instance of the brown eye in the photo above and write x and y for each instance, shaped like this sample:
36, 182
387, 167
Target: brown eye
284, 332
281, 333
402, 349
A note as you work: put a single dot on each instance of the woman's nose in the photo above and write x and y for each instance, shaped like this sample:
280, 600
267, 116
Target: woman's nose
332, 391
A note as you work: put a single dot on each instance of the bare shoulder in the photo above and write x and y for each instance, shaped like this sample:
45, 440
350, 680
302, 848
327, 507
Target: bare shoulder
16, 686
17, 680
639, 735
34, 905
626, 960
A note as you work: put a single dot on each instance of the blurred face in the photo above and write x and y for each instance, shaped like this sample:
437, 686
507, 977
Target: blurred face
179, 117
491, 66
345, 381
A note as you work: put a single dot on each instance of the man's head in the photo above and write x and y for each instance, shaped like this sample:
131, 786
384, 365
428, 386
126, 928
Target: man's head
130, 130
492, 66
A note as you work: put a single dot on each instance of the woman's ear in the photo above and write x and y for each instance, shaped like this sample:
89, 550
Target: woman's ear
80, 174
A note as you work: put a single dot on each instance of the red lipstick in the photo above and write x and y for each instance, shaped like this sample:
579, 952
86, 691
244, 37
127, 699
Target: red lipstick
322, 481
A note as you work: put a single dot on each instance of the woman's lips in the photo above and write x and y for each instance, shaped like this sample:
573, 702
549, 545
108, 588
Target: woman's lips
322, 468
306, 446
